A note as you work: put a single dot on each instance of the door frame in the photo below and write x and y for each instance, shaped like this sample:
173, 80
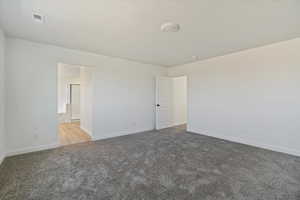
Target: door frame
187, 98
72, 84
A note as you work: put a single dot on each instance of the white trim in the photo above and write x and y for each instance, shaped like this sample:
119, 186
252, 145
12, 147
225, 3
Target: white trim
32, 149
2, 159
285, 150
179, 124
86, 130
56, 145
170, 126
121, 133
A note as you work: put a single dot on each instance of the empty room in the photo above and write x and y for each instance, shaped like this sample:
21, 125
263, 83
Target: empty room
146, 100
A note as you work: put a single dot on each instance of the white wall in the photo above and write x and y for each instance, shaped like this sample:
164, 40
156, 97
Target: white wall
179, 100
61, 100
123, 103
2, 98
251, 97
86, 99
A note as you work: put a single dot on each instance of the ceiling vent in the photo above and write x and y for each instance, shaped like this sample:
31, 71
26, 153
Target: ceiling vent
170, 27
38, 17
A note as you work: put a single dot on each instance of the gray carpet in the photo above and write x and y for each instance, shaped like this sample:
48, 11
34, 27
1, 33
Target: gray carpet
169, 164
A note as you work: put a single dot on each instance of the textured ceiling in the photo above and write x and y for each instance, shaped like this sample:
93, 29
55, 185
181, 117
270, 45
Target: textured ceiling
131, 28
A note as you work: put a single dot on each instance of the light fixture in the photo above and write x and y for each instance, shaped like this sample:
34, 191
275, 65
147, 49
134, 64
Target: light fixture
170, 27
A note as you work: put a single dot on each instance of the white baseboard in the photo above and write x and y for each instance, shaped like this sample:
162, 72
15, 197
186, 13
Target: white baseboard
32, 149
170, 126
179, 124
174, 124
285, 150
86, 130
1, 159
55, 145
121, 133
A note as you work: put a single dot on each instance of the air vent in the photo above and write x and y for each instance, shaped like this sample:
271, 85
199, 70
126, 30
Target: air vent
170, 27
38, 17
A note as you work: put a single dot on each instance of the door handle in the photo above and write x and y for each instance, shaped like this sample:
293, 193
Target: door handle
157, 105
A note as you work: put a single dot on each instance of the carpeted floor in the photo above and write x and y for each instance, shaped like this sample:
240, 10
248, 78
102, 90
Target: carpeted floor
169, 164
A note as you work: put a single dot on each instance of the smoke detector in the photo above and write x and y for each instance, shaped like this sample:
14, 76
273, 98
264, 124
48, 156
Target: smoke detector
170, 27
37, 17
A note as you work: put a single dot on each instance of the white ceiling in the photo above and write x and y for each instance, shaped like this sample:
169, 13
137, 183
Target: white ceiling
131, 28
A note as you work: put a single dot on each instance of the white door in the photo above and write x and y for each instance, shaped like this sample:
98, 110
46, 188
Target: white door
75, 101
163, 102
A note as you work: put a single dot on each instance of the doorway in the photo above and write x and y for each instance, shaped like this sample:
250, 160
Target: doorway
74, 92
171, 102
